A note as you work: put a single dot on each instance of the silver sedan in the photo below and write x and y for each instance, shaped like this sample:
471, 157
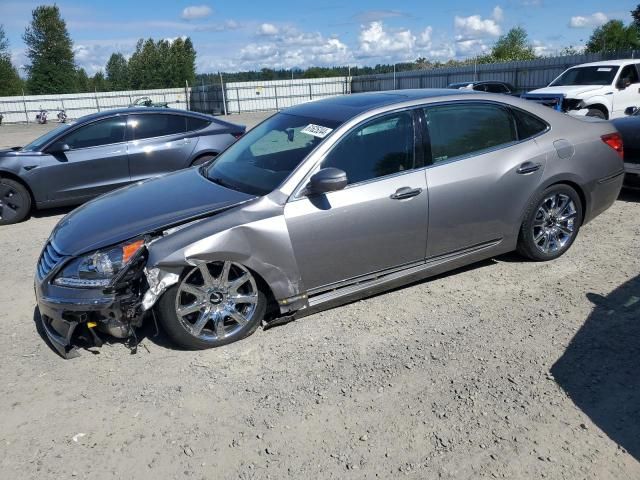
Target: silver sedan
324, 203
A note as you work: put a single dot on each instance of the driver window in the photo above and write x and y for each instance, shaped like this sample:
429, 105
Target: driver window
103, 132
381, 147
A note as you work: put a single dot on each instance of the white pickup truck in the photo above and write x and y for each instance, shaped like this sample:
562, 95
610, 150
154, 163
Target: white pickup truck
608, 89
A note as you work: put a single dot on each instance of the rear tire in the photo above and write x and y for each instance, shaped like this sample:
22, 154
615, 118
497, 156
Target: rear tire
596, 112
551, 223
15, 201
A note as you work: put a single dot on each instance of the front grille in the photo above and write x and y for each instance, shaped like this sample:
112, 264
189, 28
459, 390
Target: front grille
49, 259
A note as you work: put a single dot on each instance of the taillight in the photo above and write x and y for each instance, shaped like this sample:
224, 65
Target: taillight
614, 140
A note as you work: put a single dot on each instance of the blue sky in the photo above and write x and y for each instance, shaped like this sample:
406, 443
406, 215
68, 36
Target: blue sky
252, 34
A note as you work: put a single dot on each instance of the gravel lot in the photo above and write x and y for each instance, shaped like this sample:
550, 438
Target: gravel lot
507, 369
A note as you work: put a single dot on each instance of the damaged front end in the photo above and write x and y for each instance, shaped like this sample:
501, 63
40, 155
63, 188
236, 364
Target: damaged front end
82, 299
557, 101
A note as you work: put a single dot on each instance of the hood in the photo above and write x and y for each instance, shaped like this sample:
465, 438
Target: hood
140, 208
571, 91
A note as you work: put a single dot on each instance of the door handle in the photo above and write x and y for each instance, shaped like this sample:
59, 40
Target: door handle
528, 167
406, 192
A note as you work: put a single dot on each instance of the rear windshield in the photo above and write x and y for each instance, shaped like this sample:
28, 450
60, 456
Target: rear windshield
595, 75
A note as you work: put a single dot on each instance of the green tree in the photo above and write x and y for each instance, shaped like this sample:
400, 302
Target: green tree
183, 59
82, 81
49, 48
635, 13
117, 71
10, 81
98, 83
614, 36
514, 45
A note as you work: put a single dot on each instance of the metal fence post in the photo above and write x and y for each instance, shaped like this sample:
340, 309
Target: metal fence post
275, 91
224, 96
24, 104
186, 95
95, 93
238, 99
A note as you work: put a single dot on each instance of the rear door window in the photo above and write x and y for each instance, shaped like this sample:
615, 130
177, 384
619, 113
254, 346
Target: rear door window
528, 125
155, 125
459, 130
102, 132
194, 123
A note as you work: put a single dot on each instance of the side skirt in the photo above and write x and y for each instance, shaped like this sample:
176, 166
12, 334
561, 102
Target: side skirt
388, 280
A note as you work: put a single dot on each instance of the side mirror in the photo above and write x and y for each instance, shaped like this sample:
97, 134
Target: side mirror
624, 83
327, 180
59, 147
630, 110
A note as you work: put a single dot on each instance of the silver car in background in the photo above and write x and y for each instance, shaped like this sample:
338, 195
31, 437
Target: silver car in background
324, 203
103, 151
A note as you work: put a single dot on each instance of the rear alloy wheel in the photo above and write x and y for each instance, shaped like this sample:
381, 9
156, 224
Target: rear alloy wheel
551, 223
15, 202
214, 304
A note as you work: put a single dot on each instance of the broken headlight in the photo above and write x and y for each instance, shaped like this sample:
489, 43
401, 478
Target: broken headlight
97, 269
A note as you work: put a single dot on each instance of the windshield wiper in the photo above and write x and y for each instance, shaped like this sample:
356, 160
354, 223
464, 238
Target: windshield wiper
224, 184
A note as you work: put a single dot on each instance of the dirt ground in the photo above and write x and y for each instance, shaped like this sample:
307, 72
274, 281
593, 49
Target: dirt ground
506, 369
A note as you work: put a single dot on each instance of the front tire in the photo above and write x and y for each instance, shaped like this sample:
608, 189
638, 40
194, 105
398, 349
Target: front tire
551, 223
15, 201
214, 304
202, 160
596, 112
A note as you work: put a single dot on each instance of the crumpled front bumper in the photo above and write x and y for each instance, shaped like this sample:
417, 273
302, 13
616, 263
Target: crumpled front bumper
65, 310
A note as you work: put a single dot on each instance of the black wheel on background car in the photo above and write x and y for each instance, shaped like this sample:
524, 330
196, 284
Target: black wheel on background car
203, 159
15, 201
596, 112
214, 304
551, 223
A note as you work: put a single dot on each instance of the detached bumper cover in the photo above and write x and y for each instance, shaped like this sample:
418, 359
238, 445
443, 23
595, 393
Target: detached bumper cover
63, 310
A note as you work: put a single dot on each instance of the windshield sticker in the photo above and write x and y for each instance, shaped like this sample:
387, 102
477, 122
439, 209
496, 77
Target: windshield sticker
316, 130
604, 69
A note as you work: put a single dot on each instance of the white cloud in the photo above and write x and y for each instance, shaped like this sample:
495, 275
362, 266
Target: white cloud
195, 12
475, 27
498, 14
92, 55
268, 29
593, 20
287, 48
424, 39
377, 42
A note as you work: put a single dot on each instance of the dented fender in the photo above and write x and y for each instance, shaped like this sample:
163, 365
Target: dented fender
254, 235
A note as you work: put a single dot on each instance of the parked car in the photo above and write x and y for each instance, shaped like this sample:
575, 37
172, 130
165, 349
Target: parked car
600, 89
629, 128
323, 203
491, 86
98, 153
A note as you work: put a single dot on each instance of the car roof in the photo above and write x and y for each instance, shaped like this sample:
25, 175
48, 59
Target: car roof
130, 110
343, 107
616, 63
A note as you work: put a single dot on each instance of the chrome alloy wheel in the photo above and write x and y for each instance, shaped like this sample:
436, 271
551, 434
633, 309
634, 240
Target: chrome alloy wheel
216, 300
554, 223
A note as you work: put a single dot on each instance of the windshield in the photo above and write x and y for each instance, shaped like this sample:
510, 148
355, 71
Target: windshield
260, 161
603, 75
39, 142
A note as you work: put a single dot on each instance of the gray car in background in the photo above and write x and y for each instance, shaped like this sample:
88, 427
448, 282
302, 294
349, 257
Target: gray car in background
100, 152
324, 203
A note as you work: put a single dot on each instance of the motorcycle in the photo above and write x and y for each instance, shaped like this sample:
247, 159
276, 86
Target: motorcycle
62, 116
41, 117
